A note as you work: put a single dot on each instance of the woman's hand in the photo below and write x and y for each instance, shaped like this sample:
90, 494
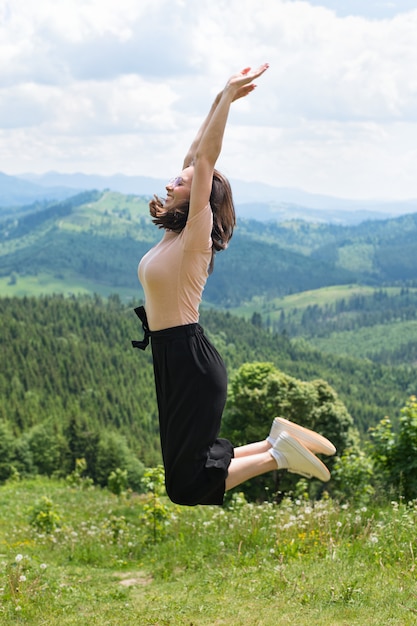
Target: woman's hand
241, 84
156, 206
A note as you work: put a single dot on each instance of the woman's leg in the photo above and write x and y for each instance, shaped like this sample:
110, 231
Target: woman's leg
252, 448
286, 453
243, 468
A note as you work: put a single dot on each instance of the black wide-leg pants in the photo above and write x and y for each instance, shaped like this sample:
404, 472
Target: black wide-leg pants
191, 390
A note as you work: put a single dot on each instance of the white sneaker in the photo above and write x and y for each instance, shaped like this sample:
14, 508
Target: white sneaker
298, 459
309, 438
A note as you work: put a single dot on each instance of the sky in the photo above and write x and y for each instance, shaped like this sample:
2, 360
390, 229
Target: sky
121, 86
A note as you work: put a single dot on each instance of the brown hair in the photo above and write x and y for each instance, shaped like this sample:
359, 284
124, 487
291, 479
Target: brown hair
222, 206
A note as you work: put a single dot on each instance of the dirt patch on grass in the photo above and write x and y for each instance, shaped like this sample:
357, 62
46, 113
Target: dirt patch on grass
134, 579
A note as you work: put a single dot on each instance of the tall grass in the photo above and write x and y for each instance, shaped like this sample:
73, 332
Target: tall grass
73, 555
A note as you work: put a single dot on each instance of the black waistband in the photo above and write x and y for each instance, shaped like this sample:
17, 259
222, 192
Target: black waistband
166, 334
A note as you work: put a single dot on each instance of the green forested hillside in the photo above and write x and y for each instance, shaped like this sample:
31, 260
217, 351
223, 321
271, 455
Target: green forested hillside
98, 238
72, 358
347, 290
251, 268
377, 251
65, 359
379, 324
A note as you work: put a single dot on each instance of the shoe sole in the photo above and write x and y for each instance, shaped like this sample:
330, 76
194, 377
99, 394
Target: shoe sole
309, 438
321, 471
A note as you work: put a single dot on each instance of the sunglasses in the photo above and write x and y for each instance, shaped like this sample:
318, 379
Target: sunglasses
174, 182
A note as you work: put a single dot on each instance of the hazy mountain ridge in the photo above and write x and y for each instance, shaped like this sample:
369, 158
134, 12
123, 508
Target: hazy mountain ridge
253, 200
16, 191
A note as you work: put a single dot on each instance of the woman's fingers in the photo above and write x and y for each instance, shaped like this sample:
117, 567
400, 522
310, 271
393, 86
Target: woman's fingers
261, 69
243, 91
248, 74
242, 84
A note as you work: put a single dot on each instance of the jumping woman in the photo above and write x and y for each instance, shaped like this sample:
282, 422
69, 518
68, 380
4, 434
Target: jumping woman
198, 219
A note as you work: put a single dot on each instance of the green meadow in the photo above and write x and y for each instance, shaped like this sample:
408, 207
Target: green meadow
325, 296
73, 554
65, 283
367, 342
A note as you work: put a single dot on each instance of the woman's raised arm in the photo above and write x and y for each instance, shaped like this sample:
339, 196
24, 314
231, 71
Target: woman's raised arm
190, 156
207, 145
239, 93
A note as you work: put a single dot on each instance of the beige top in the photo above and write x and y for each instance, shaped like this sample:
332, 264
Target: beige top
174, 272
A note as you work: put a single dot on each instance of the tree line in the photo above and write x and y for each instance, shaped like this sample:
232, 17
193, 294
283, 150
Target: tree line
346, 314
70, 379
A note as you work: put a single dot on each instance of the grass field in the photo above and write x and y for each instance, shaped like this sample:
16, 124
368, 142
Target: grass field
320, 297
45, 284
368, 341
74, 555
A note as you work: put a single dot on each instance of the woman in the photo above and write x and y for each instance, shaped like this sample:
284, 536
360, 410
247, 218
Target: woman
191, 382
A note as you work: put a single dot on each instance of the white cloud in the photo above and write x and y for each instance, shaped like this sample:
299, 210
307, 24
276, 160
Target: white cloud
121, 86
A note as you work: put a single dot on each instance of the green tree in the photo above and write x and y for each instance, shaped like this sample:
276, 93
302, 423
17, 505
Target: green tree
22, 456
259, 392
114, 455
6, 452
47, 449
395, 453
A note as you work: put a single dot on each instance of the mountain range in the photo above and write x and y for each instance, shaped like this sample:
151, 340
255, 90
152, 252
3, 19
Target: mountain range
98, 238
253, 200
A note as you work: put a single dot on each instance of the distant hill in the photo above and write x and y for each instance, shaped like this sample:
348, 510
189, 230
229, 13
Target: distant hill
97, 238
378, 252
15, 192
254, 200
101, 236
281, 211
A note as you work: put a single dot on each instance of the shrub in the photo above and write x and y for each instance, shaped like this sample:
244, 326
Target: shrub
43, 516
117, 481
352, 477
